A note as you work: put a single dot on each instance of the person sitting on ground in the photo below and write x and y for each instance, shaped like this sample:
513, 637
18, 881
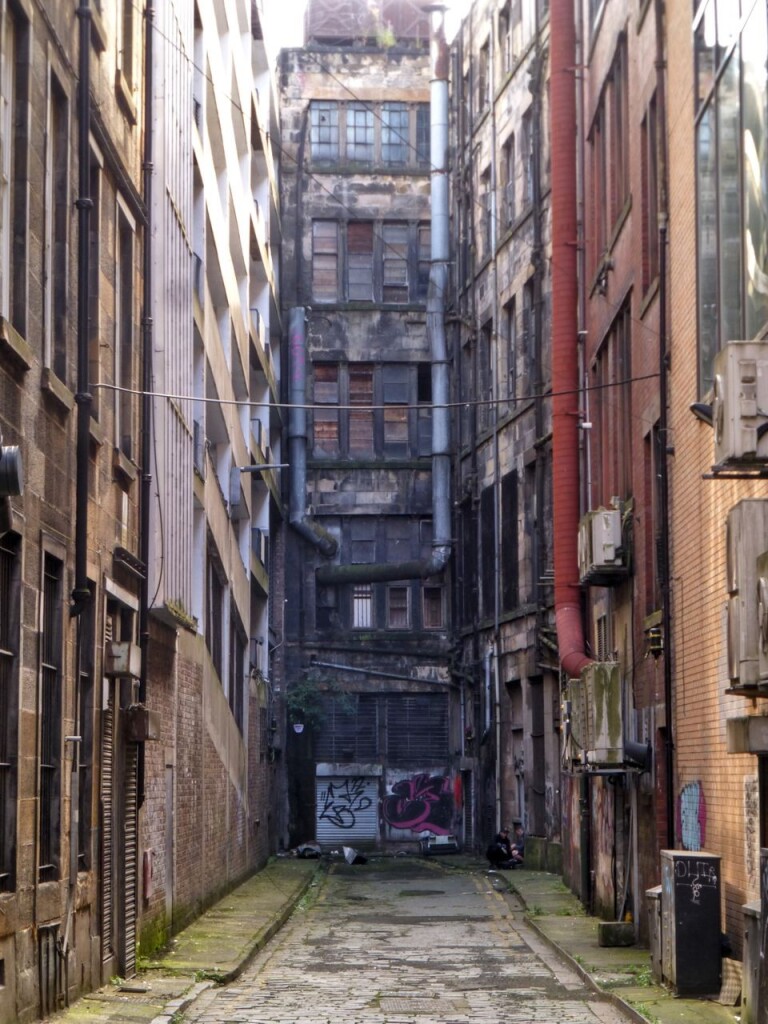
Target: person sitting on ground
518, 846
499, 853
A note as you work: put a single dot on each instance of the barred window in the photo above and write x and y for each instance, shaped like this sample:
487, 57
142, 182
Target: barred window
50, 718
9, 651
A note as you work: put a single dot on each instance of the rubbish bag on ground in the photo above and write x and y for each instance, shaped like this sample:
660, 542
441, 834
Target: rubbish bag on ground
308, 850
351, 856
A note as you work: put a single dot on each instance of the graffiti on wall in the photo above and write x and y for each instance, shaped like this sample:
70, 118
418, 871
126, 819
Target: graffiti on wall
752, 830
343, 801
423, 803
692, 817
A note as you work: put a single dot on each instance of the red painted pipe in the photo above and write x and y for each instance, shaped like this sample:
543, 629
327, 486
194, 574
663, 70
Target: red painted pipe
565, 364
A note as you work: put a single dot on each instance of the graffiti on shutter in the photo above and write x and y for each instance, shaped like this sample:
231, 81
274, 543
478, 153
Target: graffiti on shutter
347, 810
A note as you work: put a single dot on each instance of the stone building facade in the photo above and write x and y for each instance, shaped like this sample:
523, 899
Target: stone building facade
502, 431
375, 758
71, 229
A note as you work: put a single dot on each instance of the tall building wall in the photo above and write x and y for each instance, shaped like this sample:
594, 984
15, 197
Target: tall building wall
720, 800
56, 675
365, 637
502, 373
208, 816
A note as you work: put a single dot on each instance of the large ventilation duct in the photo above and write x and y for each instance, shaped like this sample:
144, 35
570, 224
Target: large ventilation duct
565, 363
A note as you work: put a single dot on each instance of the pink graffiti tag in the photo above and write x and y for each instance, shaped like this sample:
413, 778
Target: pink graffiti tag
423, 803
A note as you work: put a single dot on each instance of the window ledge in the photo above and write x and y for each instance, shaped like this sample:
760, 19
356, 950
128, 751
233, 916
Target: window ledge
650, 294
57, 389
12, 344
96, 431
125, 96
123, 467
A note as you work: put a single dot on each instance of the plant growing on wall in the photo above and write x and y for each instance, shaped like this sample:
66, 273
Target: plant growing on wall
305, 700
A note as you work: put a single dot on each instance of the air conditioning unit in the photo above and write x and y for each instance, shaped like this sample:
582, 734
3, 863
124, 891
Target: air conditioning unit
122, 658
761, 619
746, 540
601, 554
597, 722
740, 409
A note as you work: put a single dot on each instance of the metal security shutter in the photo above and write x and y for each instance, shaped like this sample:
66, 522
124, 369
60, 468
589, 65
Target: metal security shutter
130, 862
347, 810
107, 766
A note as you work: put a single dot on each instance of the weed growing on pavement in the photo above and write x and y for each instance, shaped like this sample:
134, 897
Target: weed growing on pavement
645, 1011
535, 911
643, 976
574, 911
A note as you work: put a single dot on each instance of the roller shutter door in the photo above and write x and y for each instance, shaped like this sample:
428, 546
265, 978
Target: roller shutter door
347, 810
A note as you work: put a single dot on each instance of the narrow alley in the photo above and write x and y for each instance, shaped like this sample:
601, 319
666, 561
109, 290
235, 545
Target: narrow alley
397, 940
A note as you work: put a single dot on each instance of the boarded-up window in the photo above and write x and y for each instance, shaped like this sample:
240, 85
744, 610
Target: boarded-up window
360, 261
361, 415
326, 412
398, 607
325, 260
395, 261
395, 386
417, 728
432, 607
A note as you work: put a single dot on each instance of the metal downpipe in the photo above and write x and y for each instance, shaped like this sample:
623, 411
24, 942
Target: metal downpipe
311, 531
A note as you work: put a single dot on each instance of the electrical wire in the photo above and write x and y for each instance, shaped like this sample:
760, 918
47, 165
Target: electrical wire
460, 404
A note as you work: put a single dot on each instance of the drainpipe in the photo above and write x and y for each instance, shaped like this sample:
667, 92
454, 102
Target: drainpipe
147, 375
438, 284
664, 555
565, 375
81, 593
311, 531
565, 363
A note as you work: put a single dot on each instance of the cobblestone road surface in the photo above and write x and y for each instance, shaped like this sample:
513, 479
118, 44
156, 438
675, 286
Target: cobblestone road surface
403, 942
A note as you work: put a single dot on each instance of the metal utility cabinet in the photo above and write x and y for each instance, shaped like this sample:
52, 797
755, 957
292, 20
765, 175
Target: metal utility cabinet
690, 921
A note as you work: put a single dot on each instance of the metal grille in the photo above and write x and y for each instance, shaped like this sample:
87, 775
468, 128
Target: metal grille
350, 729
49, 965
417, 728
